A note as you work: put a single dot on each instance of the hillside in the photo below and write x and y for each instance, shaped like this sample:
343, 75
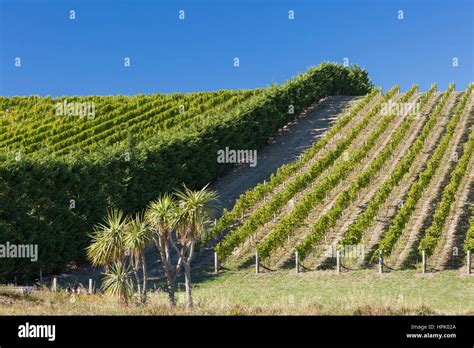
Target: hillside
65, 161
377, 181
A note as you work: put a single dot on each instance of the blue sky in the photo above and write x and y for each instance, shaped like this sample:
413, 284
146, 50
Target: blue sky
84, 56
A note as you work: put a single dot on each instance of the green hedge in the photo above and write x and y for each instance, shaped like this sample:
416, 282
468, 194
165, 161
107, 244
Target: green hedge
35, 192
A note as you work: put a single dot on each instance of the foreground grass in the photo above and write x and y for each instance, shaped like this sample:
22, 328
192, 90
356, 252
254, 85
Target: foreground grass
283, 292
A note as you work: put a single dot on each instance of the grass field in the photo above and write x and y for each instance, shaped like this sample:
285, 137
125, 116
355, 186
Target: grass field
363, 292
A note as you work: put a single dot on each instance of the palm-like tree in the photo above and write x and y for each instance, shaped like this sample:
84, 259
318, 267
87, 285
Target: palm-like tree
107, 240
191, 221
160, 217
117, 282
136, 238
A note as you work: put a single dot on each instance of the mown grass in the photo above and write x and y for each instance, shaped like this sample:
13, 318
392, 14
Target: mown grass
362, 292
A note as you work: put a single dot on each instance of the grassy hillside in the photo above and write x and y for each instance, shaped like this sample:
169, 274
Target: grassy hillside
281, 293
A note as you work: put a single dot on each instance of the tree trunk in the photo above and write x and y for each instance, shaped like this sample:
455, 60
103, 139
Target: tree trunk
170, 284
187, 276
135, 272
162, 247
145, 280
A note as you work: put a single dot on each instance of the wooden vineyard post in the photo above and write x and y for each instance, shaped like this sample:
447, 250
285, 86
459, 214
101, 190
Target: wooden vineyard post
257, 263
469, 260
338, 261
91, 286
54, 288
423, 261
381, 262
297, 262
216, 263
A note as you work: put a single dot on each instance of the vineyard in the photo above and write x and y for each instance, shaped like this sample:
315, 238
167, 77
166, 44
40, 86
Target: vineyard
233, 164
30, 125
380, 182
65, 161
392, 185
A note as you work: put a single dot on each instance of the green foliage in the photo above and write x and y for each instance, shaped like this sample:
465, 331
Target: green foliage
432, 234
108, 240
118, 282
329, 219
469, 242
266, 211
137, 237
193, 213
364, 221
415, 192
251, 197
36, 191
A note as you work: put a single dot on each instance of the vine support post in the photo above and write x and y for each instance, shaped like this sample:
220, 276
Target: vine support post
423, 260
297, 262
469, 261
338, 261
381, 261
257, 263
91, 286
54, 288
216, 263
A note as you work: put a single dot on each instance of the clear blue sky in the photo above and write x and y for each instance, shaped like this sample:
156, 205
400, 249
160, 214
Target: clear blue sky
84, 56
